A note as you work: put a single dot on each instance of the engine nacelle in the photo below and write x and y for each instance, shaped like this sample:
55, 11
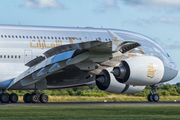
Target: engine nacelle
142, 70
107, 82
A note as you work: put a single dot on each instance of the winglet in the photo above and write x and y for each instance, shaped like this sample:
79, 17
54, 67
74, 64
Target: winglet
116, 40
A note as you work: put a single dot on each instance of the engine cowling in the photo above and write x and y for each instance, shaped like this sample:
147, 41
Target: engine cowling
142, 70
107, 82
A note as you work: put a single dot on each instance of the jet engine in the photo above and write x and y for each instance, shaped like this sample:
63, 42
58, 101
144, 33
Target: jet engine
107, 82
142, 70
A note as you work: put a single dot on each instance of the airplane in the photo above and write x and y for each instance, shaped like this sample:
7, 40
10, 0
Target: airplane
44, 58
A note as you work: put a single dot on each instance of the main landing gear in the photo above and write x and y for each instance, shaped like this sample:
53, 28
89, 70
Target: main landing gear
152, 97
35, 97
6, 98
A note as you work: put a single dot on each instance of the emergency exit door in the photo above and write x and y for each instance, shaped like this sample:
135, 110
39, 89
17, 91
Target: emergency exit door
27, 56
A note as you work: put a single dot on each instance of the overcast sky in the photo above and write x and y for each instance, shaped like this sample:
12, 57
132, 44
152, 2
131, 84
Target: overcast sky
158, 19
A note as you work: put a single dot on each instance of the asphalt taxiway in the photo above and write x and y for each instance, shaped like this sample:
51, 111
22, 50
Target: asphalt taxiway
89, 103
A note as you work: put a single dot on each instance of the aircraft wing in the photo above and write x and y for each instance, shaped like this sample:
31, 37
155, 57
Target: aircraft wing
84, 57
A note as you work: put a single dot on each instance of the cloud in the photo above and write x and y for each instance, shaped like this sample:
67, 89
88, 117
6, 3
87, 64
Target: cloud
153, 20
169, 5
169, 43
106, 5
44, 4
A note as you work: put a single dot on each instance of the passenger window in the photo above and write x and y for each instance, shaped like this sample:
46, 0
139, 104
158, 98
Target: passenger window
23, 37
59, 38
11, 56
9, 36
51, 37
56, 38
8, 56
0, 56
41, 37
19, 36
12, 36
34, 37
37, 37
48, 37
15, 56
44, 37
27, 37
66, 38
5, 36
30, 37
2, 36
19, 56
63, 38
79, 38
4, 56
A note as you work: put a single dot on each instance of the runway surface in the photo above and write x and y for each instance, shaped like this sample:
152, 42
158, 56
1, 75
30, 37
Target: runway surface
89, 103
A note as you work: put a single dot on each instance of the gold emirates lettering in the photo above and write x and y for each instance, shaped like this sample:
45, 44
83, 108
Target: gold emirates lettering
151, 71
43, 45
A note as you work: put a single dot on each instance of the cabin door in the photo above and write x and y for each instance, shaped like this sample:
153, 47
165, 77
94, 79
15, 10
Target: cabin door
27, 56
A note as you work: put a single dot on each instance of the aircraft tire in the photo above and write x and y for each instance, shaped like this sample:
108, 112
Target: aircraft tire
43, 98
4, 98
34, 98
150, 98
13, 98
155, 97
27, 98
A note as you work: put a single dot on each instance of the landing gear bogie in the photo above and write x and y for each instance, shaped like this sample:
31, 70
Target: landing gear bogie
35, 97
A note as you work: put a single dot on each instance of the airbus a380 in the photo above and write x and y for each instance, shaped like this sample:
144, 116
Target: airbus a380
117, 61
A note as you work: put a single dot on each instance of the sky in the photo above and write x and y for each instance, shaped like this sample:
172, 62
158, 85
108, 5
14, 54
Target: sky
157, 19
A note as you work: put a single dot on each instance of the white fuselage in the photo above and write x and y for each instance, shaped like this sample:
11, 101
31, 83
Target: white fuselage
20, 44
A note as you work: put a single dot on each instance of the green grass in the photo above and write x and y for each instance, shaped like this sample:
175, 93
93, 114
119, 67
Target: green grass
90, 112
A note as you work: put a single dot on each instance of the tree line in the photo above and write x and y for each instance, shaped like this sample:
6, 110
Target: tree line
165, 90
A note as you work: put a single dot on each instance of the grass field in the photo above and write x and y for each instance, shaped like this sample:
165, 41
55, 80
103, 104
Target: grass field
90, 113
109, 98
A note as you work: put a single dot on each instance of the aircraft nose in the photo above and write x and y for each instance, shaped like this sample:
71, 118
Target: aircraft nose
169, 73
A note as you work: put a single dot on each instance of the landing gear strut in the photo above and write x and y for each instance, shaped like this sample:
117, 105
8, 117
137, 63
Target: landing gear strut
152, 97
35, 97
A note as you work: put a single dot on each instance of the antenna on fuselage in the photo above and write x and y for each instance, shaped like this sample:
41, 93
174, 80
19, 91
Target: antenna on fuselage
19, 23
101, 26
